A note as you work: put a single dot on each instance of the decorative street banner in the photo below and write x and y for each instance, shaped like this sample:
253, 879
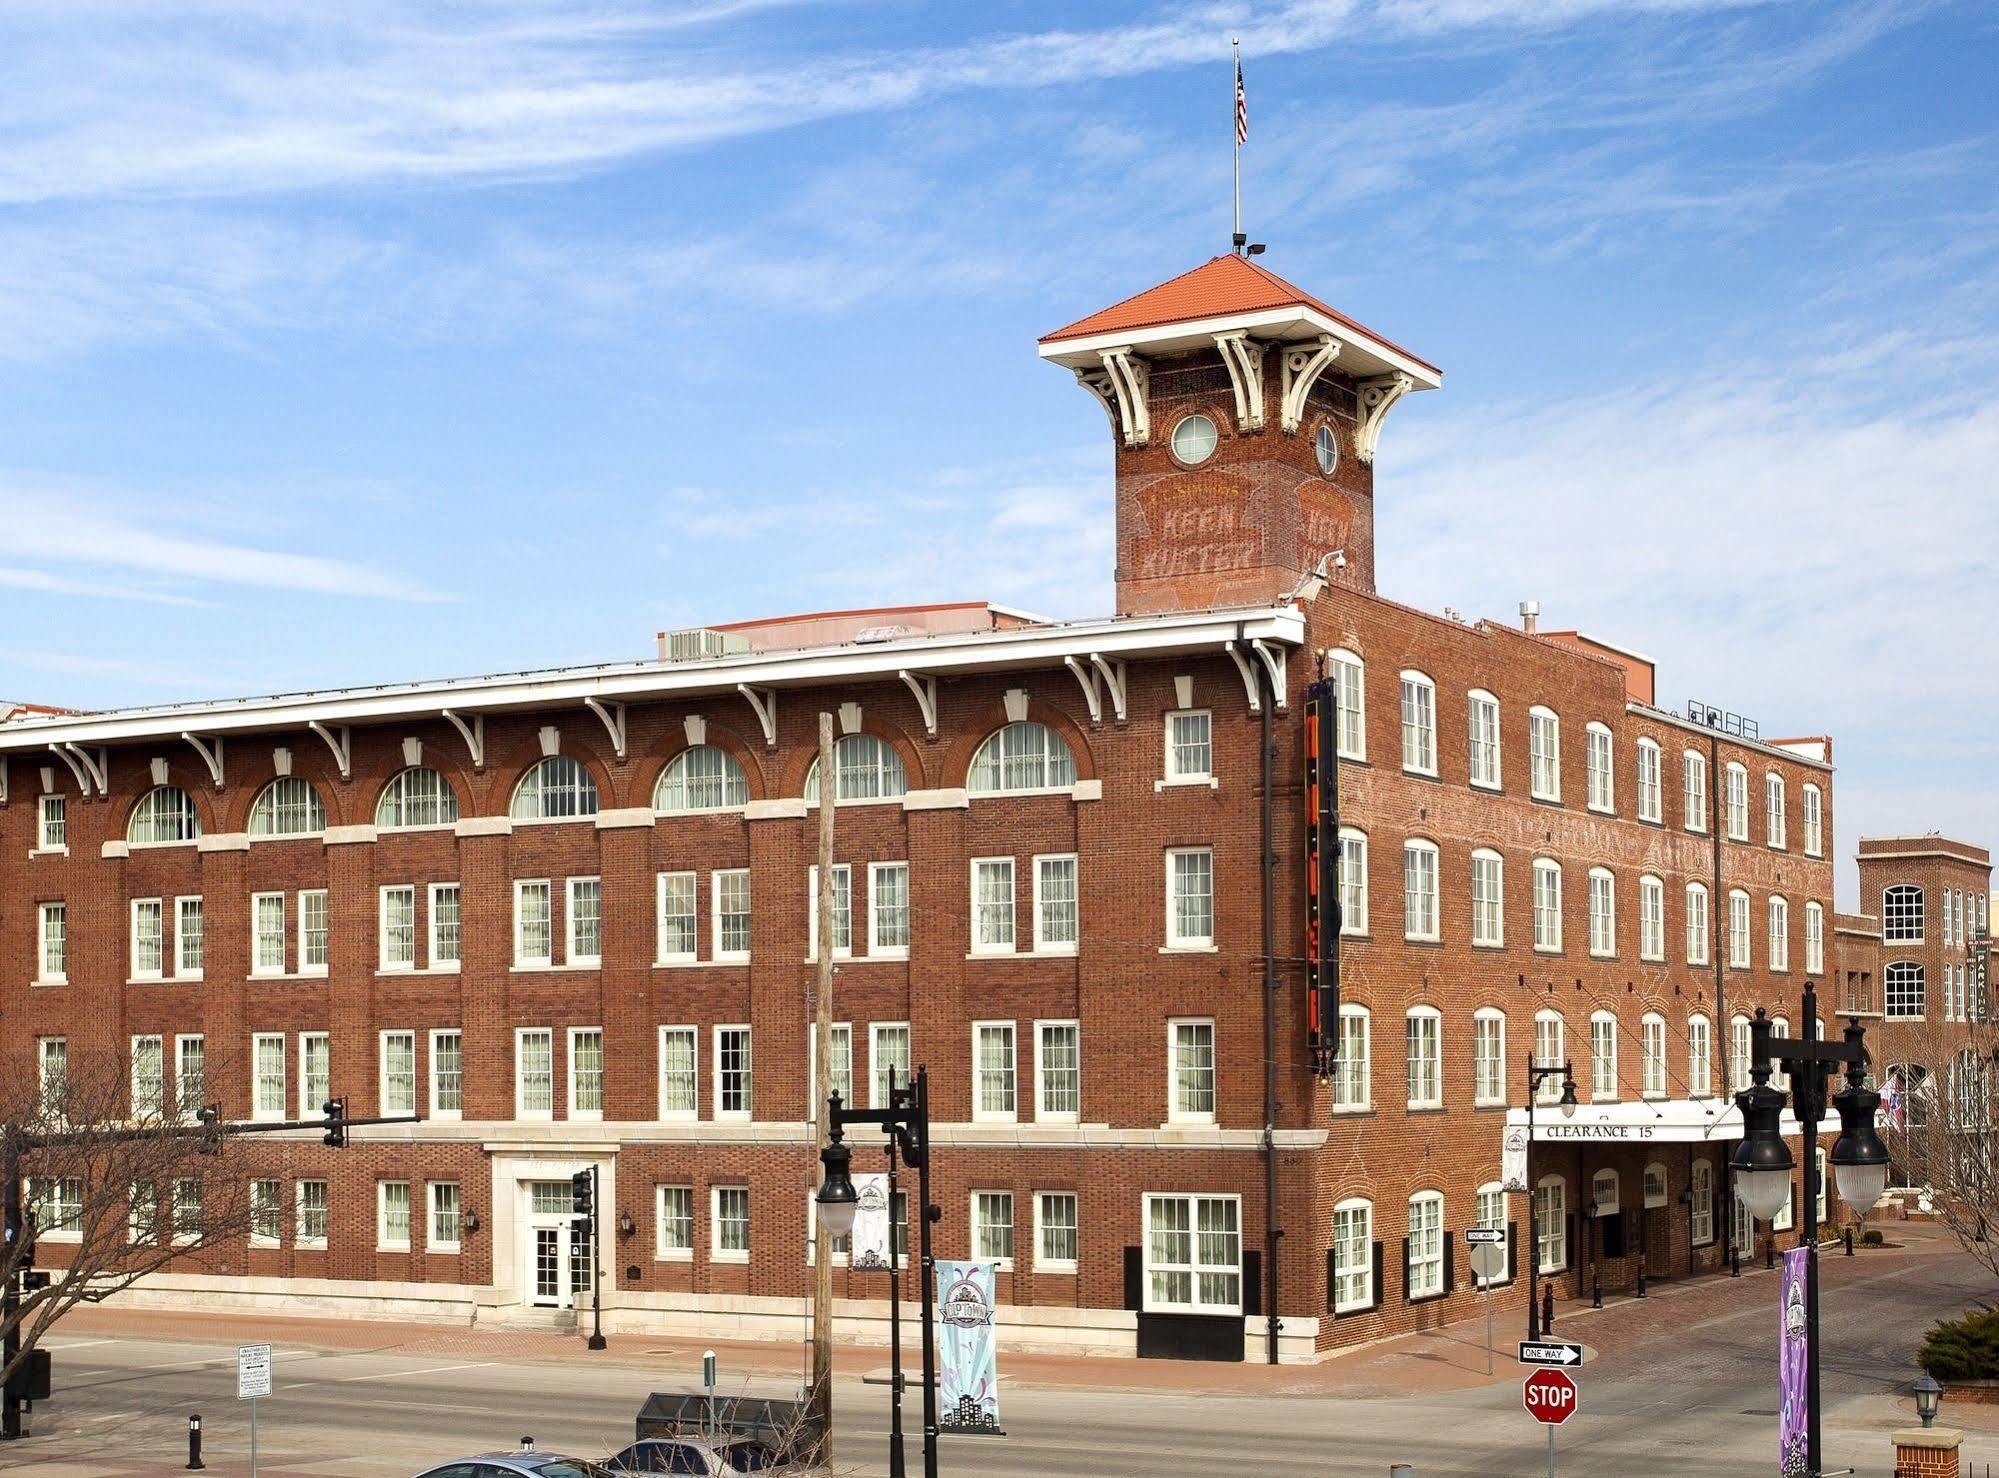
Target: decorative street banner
1794, 1413
1513, 1159
968, 1378
871, 1223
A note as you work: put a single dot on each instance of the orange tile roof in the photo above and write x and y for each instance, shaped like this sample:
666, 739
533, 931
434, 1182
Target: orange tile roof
1220, 286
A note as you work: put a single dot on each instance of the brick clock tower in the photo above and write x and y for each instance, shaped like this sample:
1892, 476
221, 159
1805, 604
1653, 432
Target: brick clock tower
1246, 414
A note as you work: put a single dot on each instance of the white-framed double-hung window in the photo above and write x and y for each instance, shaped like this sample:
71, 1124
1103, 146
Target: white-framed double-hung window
729, 912
1651, 764
1483, 711
1488, 899
1190, 747
1488, 1056
1693, 790
1547, 905
149, 938
679, 935
1548, 1034
52, 823
584, 916
992, 906
1780, 932
1349, 678
1652, 1055
679, 1074
1773, 810
1193, 1254
445, 931
1419, 889
534, 923
1602, 912
1426, 1246
843, 911
586, 1072
1352, 1089
398, 1086
534, 1073
733, 1080
1602, 1055
1424, 1030
1598, 760
1058, 1072
1353, 880
1544, 754
447, 1073
1697, 924
1419, 724
1055, 921
267, 942
1700, 1056
1190, 898
1190, 1047
1353, 1255
396, 912
995, 1096
267, 1086
1651, 918
888, 910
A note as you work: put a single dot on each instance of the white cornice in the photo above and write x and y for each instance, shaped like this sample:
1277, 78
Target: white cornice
1022, 649
1362, 353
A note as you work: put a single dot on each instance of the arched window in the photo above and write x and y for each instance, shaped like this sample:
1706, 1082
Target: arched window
164, 814
865, 769
1735, 801
289, 807
1814, 817
1693, 789
1419, 889
1651, 918
1488, 1055
1547, 905
1902, 989
1602, 1055
703, 778
1599, 765
1602, 912
1353, 1255
1419, 724
1548, 1053
1652, 1055
1701, 1211
1603, 1197
1773, 809
1353, 880
1544, 754
1488, 903
1655, 1185
1700, 1057
1483, 711
556, 789
1551, 1224
1351, 1088
1651, 789
1425, 1032
1902, 914
1780, 932
1349, 679
1426, 1245
1023, 756
418, 796
1697, 925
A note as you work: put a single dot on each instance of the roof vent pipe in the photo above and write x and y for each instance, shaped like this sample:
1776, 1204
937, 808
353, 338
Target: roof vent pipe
1530, 613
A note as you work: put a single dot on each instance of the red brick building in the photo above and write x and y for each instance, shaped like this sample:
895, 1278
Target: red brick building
565, 916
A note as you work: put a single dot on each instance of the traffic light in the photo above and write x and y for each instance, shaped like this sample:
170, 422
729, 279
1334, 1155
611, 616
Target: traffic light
335, 1110
30, 1381
582, 1204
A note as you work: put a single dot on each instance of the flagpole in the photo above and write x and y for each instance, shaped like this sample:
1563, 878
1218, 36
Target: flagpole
1235, 134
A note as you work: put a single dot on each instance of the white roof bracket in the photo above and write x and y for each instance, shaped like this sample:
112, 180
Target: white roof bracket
613, 715
68, 754
1376, 396
924, 689
1244, 358
474, 735
1098, 383
1277, 662
1249, 682
764, 702
1130, 382
340, 741
211, 755
1092, 694
1302, 367
1113, 679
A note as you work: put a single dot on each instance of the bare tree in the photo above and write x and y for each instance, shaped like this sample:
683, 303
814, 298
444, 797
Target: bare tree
105, 1185
1938, 1097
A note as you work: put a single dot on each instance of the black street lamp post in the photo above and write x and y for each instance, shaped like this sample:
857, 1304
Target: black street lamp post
907, 1120
1763, 1163
1536, 1076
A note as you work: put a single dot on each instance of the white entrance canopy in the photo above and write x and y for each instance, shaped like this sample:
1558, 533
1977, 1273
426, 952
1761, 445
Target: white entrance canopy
1645, 1121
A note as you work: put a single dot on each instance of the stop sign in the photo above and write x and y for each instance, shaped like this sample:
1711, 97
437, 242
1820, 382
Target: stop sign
1549, 1396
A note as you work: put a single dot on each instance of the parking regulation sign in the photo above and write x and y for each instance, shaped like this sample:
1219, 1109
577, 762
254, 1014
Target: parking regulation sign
253, 1371
1549, 1396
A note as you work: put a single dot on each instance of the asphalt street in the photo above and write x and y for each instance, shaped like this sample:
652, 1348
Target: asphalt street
1683, 1383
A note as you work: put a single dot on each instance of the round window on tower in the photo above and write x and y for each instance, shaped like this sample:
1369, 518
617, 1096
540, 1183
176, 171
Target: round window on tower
1326, 446
1194, 439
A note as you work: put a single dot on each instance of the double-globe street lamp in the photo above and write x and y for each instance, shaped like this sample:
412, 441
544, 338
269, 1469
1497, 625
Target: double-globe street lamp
1536, 1076
907, 1120
1762, 1161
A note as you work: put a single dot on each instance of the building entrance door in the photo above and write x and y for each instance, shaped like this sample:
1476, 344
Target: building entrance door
558, 1261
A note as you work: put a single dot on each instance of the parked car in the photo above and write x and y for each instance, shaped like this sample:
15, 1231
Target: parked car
710, 1457
524, 1463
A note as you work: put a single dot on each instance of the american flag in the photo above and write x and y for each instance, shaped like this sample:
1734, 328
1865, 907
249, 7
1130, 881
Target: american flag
1241, 108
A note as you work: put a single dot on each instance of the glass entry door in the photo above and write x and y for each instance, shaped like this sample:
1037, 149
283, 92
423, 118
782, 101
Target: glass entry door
558, 1261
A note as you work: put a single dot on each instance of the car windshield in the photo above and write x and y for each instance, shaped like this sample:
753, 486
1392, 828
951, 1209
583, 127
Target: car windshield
748, 1457
568, 1467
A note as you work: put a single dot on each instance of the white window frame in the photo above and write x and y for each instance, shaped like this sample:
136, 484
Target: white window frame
1422, 906
1175, 940
435, 957
435, 1239
687, 884
718, 880
382, 1070
1735, 800
1349, 709
1700, 1056
1544, 754
1740, 947
1482, 723
1600, 766
1363, 1296
522, 959
996, 1116
1777, 912
434, 1085
661, 1250
573, 954
1353, 1087
1651, 918
306, 898
311, 1103
982, 867
843, 878
1550, 1029
1043, 1263
1353, 881
574, 1036
1418, 723
1651, 781
1896, 914
1652, 1055
878, 1031
877, 948
1043, 945
1174, 1113
1700, 1190
1776, 830
303, 1240
692, 1035
259, 1109
1700, 925
1602, 913
1547, 878
1426, 1091
1694, 790
1488, 1026
52, 820
50, 970
1603, 1084
258, 965
258, 1236
149, 1100
716, 1251
1488, 914
1812, 800
1196, 1267
158, 907
1551, 1254
382, 904
1042, 1031
522, 1035
1431, 1283
184, 936
977, 1228
1814, 938
1171, 771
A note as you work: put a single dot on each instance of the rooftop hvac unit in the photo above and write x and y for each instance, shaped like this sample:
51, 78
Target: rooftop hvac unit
700, 643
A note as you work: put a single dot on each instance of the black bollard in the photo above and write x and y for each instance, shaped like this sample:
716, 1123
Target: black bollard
1595, 1291
1641, 1280
1735, 1262
194, 1442
1849, 1241
1770, 1253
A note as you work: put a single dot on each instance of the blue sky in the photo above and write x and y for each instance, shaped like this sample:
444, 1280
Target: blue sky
395, 339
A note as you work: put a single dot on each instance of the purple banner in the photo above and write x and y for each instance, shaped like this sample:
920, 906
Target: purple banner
1794, 1413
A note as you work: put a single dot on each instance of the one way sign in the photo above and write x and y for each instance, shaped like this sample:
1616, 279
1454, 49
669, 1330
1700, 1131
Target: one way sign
1550, 1352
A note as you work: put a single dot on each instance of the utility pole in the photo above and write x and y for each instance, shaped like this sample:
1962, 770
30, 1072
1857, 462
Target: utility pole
14, 1264
821, 1402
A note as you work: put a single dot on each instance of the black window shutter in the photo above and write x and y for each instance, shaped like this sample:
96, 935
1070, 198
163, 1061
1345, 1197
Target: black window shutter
1569, 1242
1134, 1278
1512, 1250
1252, 1282
1332, 1276
1405, 1270
1377, 1277
1450, 1262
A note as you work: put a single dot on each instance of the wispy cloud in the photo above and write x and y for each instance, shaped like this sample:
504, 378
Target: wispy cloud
46, 583
55, 526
